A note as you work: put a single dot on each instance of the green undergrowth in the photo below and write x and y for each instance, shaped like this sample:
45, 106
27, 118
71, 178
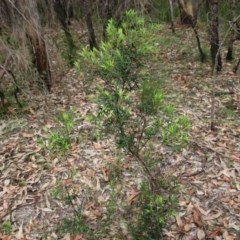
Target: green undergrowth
9, 105
154, 209
6, 227
131, 107
58, 139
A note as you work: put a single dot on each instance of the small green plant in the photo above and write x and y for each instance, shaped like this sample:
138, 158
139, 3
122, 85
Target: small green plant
154, 209
151, 98
6, 227
132, 108
175, 133
57, 191
58, 141
118, 60
62, 193
65, 121
74, 226
70, 50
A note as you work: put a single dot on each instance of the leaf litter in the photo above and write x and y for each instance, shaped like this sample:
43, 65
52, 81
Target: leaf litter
208, 169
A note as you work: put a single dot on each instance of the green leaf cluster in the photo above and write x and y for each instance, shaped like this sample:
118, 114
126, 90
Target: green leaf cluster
118, 60
131, 107
75, 225
155, 209
175, 132
6, 227
58, 140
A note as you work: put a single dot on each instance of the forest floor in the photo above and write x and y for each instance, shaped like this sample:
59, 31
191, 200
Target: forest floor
33, 195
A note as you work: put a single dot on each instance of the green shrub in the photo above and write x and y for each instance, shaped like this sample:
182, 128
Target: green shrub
161, 10
6, 227
132, 108
74, 226
69, 53
118, 60
155, 208
58, 141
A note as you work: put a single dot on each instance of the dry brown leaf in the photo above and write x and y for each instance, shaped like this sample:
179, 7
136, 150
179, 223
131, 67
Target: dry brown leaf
103, 198
225, 172
98, 185
131, 197
27, 135
183, 203
78, 237
201, 234
203, 212
96, 213
19, 234
74, 146
71, 161
235, 157
97, 145
106, 173
187, 227
197, 217
5, 237
215, 233
45, 186
59, 169
217, 215
90, 172
226, 236
46, 210
68, 182
179, 221
67, 237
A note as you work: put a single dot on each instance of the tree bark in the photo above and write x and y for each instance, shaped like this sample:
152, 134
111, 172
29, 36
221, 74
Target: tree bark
88, 18
235, 31
186, 12
106, 13
41, 58
62, 15
61, 10
6, 15
34, 34
213, 35
190, 18
171, 14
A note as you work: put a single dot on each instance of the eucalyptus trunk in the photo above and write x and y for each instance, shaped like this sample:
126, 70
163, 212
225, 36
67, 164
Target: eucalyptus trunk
213, 35
235, 30
88, 18
34, 33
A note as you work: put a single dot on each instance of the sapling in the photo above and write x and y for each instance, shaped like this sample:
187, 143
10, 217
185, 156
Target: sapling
131, 107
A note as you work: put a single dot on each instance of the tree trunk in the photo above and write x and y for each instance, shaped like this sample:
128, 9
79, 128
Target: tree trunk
171, 14
186, 12
213, 35
61, 10
41, 58
190, 18
6, 15
106, 13
33, 31
88, 17
235, 31
62, 15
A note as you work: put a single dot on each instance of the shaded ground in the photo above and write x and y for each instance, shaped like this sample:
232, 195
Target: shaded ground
208, 169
